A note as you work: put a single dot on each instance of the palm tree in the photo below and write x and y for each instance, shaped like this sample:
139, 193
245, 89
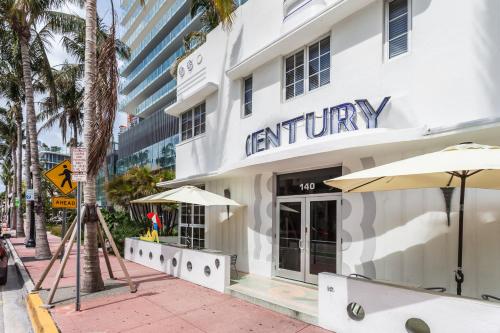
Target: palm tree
214, 12
22, 17
100, 104
8, 146
11, 89
68, 111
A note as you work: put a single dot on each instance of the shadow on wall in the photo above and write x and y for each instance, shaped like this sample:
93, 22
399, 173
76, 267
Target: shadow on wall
487, 48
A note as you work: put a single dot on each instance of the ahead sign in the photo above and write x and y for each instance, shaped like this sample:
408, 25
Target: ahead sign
63, 202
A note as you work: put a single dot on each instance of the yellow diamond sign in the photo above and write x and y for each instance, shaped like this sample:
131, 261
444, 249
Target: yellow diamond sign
60, 176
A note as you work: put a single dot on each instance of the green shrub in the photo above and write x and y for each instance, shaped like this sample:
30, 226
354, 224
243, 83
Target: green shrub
55, 229
122, 226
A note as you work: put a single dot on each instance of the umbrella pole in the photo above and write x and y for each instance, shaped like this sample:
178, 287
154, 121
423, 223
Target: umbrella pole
459, 275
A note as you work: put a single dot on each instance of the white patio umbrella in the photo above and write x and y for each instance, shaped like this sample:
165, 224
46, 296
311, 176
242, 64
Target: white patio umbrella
463, 165
188, 194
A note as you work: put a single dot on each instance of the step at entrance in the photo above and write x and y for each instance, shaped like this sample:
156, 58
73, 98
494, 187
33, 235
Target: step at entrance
296, 300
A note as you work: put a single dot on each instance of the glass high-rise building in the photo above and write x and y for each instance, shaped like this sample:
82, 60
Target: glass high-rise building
155, 33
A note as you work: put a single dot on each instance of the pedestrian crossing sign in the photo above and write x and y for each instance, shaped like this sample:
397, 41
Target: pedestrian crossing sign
60, 176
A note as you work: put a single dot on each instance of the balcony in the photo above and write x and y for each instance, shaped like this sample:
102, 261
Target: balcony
174, 8
199, 75
165, 96
152, 45
163, 70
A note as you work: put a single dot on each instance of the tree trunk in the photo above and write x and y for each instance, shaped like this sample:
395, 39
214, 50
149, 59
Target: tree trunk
27, 167
14, 189
42, 244
92, 279
19, 122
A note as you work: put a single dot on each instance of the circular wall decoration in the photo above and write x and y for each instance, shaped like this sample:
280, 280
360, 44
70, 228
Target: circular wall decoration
189, 65
162, 259
355, 311
150, 256
181, 71
207, 271
140, 252
416, 325
174, 262
217, 263
199, 59
131, 250
189, 266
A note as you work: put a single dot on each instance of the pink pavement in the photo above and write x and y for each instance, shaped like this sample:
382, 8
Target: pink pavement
162, 303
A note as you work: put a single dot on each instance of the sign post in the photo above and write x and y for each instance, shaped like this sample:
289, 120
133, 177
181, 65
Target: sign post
79, 174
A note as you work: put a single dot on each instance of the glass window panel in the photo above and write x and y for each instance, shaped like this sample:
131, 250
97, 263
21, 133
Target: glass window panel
289, 78
248, 109
289, 63
289, 92
325, 61
313, 82
325, 45
398, 46
397, 8
299, 88
313, 51
299, 58
313, 66
324, 77
398, 27
299, 73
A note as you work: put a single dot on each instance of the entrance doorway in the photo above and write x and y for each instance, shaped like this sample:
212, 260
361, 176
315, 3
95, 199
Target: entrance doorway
308, 234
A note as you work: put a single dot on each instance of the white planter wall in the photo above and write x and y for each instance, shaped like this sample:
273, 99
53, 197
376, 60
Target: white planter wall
148, 254
387, 308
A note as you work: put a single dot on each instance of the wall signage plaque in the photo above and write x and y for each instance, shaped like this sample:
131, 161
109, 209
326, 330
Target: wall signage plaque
336, 119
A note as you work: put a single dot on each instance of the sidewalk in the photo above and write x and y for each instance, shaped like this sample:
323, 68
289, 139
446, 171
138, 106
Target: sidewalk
162, 303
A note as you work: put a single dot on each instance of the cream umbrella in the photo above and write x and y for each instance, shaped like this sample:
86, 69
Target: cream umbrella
188, 194
464, 165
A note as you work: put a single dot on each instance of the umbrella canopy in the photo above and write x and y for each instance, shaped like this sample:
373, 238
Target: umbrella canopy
188, 194
438, 169
464, 165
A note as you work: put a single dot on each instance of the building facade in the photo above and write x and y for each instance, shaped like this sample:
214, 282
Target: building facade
154, 32
308, 90
51, 156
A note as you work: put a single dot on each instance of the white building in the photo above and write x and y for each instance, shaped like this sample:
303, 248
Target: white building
300, 91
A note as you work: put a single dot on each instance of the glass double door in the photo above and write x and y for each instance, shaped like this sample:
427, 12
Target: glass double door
308, 241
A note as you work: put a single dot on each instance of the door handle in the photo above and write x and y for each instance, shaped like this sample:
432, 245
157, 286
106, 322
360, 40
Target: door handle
301, 244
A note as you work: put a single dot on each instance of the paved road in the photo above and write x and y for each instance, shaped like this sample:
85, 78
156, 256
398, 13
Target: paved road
13, 315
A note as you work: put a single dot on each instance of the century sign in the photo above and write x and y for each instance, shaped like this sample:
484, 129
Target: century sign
336, 119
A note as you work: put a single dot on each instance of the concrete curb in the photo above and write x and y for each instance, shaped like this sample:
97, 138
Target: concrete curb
40, 318
28, 284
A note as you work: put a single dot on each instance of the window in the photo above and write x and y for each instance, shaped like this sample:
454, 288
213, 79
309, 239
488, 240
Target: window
294, 75
317, 71
319, 63
192, 225
247, 96
193, 122
397, 27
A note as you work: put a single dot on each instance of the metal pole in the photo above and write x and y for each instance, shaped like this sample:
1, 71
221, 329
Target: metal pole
63, 231
31, 241
78, 241
459, 275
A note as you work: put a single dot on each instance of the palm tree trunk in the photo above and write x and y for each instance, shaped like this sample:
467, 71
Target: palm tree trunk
19, 122
92, 279
14, 188
27, 167
42, 245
